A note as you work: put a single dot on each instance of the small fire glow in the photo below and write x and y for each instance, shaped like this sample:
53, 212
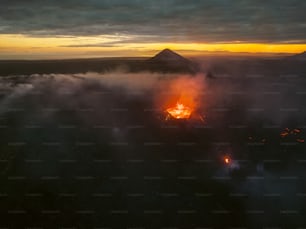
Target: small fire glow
227, 160
296, 133
180, 111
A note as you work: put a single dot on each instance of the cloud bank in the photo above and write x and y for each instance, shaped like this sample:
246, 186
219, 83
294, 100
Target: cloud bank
185, 21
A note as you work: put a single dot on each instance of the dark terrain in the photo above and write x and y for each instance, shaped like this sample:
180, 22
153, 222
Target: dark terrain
155, 64
89, 151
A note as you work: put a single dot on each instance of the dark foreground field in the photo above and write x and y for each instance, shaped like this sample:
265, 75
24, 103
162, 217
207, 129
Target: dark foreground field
94, 150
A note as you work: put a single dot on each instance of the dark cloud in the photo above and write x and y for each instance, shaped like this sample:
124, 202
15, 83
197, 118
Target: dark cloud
206, 21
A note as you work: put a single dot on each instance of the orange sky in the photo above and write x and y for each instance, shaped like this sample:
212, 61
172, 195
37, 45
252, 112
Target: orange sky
24, 47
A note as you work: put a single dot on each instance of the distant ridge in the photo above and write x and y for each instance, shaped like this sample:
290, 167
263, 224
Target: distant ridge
165, 61
300, 56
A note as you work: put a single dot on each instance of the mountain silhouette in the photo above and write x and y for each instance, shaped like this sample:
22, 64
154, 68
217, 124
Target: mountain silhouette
168, 55
168, 60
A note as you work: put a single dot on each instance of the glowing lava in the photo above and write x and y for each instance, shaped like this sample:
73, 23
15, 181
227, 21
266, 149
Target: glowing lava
227, 160
180, 111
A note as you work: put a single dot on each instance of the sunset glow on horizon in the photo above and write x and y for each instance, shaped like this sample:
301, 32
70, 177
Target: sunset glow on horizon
20, 46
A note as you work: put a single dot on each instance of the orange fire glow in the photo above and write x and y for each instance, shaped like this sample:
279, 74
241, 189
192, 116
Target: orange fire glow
180, 111
227, 160
180, 97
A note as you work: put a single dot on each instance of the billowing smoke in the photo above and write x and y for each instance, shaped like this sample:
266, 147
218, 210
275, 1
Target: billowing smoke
110, 126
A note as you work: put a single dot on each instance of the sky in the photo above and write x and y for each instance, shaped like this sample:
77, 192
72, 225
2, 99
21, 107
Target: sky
50, 29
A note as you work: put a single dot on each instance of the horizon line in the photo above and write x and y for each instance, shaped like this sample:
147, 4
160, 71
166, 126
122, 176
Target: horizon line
43, 56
